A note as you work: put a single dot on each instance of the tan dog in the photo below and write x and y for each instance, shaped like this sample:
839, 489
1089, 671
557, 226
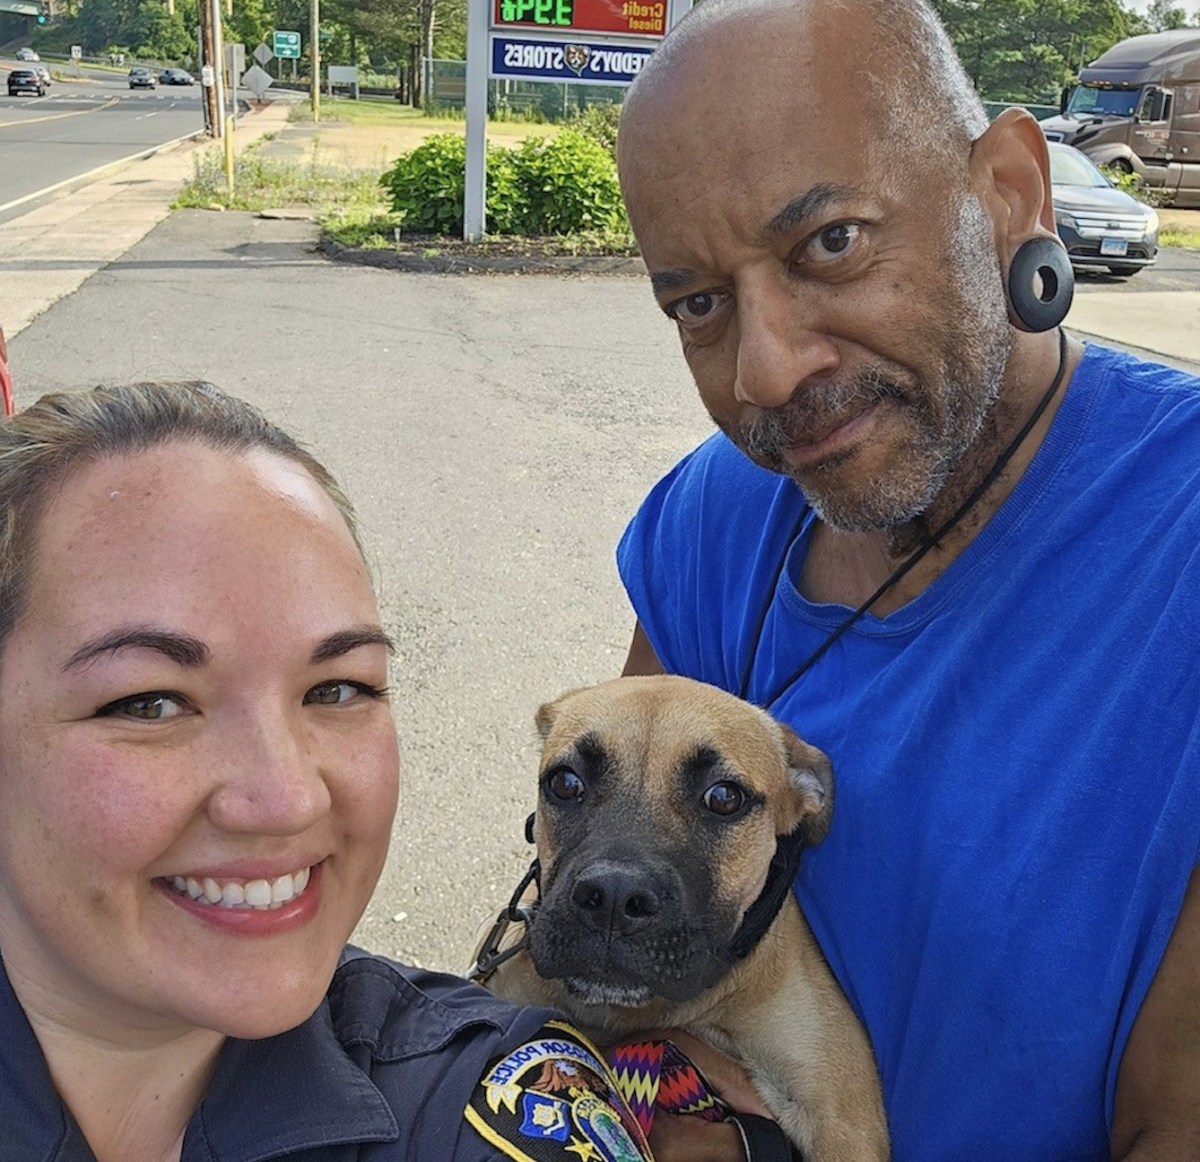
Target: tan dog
662, 805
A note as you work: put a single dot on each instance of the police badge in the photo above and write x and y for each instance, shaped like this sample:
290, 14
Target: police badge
554, 1099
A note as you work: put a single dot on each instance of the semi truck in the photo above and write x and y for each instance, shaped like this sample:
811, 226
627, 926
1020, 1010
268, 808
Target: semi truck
1137, 108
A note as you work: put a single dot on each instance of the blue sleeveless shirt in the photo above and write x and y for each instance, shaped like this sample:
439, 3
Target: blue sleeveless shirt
1016, 756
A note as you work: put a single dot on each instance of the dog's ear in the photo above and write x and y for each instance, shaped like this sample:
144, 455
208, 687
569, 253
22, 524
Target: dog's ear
548, 712
545, 717
811, 776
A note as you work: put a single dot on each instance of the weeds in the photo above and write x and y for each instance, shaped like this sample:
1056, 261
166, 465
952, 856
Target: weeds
261, 183
1178, 236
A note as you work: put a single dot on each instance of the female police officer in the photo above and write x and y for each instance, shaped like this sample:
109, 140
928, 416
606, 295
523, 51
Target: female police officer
198, 771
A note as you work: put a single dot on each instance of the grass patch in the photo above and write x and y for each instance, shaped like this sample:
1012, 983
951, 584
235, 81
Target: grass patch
372, 230
369, 111
361, 228
261, 183
375, 111
1177, 236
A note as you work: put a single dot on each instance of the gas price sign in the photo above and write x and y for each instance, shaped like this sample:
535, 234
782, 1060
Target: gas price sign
627, 17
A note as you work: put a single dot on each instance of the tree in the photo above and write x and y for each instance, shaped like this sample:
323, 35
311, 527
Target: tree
251, 23
1162, 16
1024, 50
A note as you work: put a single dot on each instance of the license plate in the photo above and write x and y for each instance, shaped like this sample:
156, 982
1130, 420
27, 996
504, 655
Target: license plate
1114, 247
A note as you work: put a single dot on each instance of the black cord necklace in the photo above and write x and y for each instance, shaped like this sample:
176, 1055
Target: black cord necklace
930, 542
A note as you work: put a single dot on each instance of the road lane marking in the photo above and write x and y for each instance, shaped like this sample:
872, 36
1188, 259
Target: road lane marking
59, 116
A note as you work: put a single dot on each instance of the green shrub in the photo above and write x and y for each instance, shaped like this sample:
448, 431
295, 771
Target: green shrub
599, 122
560, 185
427, 185
570, 183
1131, 183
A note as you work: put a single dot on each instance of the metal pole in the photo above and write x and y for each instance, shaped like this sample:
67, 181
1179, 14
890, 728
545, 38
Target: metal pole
316, 59
218, 60
676, 11
475, 178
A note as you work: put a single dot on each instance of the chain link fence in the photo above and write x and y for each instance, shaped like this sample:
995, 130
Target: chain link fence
445, 88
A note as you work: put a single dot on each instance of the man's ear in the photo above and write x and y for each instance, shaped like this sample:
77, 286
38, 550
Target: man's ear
1010, 172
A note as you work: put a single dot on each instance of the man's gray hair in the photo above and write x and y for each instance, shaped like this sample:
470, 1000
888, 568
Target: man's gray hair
922, 89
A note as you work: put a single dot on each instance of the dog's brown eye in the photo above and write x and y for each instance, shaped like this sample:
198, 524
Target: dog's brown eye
724, 798
564, 783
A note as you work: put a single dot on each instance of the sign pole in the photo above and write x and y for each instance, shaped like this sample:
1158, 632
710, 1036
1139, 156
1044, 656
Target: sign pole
315, 51
475, 196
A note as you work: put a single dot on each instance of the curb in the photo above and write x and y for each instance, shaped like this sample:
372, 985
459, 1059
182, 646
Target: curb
101, 171
417, 263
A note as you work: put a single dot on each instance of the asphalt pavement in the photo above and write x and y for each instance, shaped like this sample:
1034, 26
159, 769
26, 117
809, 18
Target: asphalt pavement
496, 433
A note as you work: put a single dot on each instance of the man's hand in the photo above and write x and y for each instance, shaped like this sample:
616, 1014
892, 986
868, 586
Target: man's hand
728, 1079
680, 1138
676, 1138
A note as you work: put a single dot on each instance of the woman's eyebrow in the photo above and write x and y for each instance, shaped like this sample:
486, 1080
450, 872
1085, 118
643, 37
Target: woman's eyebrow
179, 647
342, 642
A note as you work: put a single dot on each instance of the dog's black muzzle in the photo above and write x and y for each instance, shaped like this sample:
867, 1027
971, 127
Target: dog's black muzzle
613, 918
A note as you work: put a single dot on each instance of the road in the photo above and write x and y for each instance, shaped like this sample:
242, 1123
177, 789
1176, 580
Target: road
80, 126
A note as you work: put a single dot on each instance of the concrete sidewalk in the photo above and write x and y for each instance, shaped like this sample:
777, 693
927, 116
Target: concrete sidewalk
63, 242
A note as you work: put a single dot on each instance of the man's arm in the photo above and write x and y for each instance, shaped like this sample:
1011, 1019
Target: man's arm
1156, 1112
642, 659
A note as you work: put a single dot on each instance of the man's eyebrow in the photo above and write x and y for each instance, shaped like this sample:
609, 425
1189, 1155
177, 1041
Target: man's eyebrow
346, 640
800, 208
793, 215
668, 281
179, 647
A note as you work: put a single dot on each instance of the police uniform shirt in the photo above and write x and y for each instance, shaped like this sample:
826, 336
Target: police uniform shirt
397, 1063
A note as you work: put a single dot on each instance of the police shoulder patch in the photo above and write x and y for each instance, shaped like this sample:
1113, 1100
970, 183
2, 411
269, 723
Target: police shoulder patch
554, 1099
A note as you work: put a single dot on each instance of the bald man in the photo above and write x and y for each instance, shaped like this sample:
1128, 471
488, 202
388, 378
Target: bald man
950, 545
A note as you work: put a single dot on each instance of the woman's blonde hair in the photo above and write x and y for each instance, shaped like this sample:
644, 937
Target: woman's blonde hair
43, 445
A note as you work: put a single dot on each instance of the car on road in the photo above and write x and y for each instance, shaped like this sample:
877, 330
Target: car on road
1101, 226
176, 77
44, 73
26, 81
141, 77
27, 54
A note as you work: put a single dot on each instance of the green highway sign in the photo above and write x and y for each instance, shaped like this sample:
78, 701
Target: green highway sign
287, 44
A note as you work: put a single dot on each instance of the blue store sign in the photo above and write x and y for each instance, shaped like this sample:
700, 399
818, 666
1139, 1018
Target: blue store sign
584, 62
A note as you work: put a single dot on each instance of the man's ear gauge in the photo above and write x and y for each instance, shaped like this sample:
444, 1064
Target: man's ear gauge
1040, 285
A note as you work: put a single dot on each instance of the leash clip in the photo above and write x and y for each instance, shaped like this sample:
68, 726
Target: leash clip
491, 955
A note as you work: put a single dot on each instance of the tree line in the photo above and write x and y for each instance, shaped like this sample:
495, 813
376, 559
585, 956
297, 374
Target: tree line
390, 36
1014, 50
1026, 50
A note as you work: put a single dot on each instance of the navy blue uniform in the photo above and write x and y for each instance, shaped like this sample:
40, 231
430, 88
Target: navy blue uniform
384, 1070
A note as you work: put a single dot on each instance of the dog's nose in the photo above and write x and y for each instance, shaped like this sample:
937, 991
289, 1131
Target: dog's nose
612, 898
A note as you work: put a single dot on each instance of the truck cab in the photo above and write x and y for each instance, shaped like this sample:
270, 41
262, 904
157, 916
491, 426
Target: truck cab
1137, 108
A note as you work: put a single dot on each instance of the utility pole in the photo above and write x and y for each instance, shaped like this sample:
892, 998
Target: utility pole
218, 61
314, 44
210, 66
